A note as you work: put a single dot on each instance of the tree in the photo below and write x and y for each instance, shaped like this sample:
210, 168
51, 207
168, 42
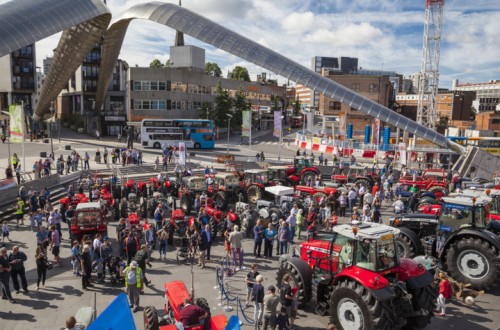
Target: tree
275, 103
296, 107
156, 64
213, 69
223, 104
239, 73
168, 63
240, 104
206, 111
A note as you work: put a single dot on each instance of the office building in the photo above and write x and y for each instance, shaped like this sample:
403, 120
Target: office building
487, 94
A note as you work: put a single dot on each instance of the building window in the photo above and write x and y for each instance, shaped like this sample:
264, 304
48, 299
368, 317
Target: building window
373, 88
355, 87
150, 105
334, 106
178, 87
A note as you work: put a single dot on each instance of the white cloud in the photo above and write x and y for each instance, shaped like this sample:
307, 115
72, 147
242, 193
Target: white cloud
384, 33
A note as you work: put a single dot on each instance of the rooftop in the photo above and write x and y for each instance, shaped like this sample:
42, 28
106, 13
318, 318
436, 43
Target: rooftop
367, 230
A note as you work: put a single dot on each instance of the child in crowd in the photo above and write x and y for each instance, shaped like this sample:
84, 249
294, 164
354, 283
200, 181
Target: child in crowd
99, 266
282, 320
5, 231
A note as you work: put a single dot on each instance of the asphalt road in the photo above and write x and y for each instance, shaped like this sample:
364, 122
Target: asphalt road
49, 308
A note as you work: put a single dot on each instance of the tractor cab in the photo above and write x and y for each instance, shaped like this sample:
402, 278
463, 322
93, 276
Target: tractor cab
368, 245
193, 183
463, 211
278, 173
302, 162
256, 176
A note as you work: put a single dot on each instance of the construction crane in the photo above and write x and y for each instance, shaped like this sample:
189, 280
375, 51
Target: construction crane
429, 73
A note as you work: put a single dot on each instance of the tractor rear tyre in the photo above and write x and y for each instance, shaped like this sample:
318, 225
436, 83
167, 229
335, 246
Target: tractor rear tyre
365, 182
300, 277
254, 194
151, 318
423, 299
427, 200
221, 200
352, 306
241, 195
438, 191
186, 204
213, 226
475, 261
304, 178
406, 249
275, 215
317, 196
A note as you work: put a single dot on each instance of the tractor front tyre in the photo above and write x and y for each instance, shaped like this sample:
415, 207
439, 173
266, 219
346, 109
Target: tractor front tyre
151, 318
304, 178
186, 204
406, 249
317, 196
300, 277
438, 191
221, 200
254, 194
365, 182
424, 299
475, 261
352, 306
213, 226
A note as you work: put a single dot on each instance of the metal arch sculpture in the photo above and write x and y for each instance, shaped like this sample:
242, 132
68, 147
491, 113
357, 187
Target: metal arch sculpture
83, 22
196, 26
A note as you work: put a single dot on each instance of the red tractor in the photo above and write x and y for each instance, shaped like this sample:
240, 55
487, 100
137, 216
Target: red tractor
254, 182
432, 180
88, 220
356, 174
316, 192
358, 276
175, 294
300, 172
226, 189
190, 186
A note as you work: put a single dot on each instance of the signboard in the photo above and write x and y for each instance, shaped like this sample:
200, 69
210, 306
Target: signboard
247, 123
342, 123
182, 153
402, 153
377, 131
277, 124
16, 123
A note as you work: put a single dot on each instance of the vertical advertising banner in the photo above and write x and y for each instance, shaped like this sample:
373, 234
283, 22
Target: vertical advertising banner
402, 153
247, 123
16, 123
310, 120
182, 153
377, 131
277, 124
342, 124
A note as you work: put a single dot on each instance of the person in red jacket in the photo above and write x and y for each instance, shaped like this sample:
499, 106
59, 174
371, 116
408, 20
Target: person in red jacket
444, 294
375, 189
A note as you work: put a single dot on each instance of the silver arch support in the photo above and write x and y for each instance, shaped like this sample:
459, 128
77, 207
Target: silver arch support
192, 24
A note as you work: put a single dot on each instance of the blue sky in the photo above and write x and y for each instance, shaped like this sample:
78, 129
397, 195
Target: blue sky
384, 34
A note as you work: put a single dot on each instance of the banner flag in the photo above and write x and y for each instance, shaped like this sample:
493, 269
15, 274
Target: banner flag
377, 131
16, 123
402, 153
277, 124
247, 123
182, 153
310, 120
342, 124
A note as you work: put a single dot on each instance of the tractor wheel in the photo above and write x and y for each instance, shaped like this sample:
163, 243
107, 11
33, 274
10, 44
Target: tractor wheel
365, 182
186, 204
438, 191
352, 306
317, 196
406, 249
221, 200
151, 318
116, 211
300, 277
475, 261
426, 201
275, 215
254, 194
306, 175
213, 226
424, 299
247, 225
241, 195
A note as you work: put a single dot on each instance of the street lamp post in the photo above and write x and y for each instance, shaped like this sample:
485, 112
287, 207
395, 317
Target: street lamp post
52, 110
228, 126
281, 140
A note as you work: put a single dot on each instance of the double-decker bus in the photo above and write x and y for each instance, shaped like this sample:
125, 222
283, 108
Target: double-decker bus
196, 133
488, 144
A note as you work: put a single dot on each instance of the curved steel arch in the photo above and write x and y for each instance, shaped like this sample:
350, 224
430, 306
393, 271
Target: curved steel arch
192, 24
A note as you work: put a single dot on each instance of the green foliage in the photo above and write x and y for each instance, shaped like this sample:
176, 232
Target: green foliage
275, 103
296, 107
213, 69
168, 63
223, 105
240, 104
239, 73
156, 64
206, 111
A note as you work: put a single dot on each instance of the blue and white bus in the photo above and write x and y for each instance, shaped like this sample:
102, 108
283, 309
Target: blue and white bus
196, 133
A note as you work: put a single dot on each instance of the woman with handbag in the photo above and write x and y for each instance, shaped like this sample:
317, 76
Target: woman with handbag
41, 266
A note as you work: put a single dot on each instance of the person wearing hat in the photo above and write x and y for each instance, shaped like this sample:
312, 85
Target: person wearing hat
133, 283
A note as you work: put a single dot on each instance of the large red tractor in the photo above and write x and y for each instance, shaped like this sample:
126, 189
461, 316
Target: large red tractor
175, 294
254, 182
357, 275
432, 180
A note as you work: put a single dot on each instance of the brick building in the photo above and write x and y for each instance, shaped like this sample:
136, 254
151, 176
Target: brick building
489, 121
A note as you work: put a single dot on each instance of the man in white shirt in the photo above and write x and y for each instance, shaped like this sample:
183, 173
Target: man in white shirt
97, 245
399, 206
361, 194
368, 199
351, 196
